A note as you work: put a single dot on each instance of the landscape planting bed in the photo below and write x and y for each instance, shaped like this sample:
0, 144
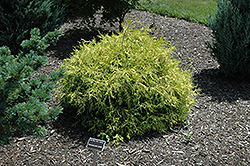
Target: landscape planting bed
219, 121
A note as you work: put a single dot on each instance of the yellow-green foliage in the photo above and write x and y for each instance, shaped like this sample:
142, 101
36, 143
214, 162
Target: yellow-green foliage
126, 85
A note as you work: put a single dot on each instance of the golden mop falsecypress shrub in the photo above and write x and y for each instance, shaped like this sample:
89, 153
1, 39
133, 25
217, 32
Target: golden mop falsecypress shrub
126, 85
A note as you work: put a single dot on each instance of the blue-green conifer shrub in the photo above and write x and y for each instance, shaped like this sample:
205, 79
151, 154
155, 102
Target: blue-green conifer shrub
231, 37
126, 85
23, 99
18, 17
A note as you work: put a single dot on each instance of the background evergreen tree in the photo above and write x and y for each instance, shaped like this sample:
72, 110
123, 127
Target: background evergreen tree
231, 33
113, 10
18, 17
23, 99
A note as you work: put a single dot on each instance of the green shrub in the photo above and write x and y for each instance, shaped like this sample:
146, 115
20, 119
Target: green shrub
18, 17
113, 10
22, 99
231, 33
126, 85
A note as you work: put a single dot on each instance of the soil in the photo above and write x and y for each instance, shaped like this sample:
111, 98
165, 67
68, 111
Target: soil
217, 130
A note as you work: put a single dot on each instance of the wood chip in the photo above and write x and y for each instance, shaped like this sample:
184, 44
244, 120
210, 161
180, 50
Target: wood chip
165, 136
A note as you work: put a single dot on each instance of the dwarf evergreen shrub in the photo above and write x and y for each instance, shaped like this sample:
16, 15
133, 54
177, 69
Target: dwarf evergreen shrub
23, 99
126, 85
113, 10
18, 17
231, 33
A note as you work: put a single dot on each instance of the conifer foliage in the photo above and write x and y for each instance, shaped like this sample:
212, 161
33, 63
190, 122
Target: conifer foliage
127, 85
113, 10
23, 98
18, 17
231, 33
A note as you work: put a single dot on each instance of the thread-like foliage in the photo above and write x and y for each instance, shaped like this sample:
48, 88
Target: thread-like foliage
231, 33
18, 17
23, 98
126, 85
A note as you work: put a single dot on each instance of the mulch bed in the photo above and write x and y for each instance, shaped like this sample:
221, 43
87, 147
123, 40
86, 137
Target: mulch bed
220, 119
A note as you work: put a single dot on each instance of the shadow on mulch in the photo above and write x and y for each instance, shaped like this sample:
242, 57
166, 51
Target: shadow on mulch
64, 126
65, 46
66, 120
214, 84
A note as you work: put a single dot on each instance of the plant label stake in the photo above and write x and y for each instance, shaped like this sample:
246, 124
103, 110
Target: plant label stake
95, 145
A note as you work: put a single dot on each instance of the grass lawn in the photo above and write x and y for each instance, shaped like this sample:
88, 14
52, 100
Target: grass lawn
193, 10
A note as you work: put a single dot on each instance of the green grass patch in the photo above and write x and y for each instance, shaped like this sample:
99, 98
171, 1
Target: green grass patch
192, 10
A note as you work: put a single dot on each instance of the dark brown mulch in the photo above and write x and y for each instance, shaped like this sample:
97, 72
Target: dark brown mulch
220, 120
